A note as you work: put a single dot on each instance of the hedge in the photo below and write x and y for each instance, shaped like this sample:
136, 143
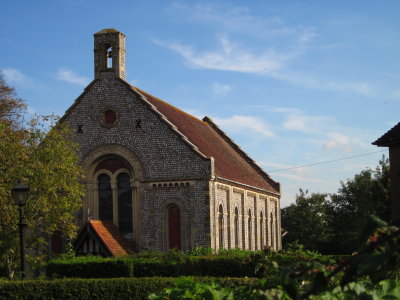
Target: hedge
90, 267
116, 288
168, 266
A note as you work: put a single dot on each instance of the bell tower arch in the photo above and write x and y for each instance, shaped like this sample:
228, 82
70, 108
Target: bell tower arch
109, 52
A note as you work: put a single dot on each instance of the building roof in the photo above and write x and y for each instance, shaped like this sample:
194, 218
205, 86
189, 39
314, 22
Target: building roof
110, 237
231, 162
389, 138
108, 30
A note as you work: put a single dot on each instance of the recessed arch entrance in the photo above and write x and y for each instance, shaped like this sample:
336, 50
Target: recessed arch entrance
113, 175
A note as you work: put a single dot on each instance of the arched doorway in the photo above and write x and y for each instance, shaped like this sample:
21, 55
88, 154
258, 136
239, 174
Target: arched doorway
174, 227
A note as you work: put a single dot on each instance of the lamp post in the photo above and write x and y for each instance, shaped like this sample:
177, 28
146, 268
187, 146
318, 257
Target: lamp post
20, 195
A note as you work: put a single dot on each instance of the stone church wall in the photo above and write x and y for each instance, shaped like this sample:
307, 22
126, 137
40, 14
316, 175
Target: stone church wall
161, 151
192, 201
259, 210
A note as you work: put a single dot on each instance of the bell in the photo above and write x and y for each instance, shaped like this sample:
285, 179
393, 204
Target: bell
109, 55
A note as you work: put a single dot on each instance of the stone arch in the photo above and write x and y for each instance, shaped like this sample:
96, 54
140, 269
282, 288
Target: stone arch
163, 212
93, 157
236, 227
114, 160
221, 229
249, 229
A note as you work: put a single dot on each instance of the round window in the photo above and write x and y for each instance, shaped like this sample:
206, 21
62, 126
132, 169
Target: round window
109, 118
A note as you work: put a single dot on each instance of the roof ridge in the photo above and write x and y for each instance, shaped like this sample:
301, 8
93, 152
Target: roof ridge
241, 152
386, 139
166, 103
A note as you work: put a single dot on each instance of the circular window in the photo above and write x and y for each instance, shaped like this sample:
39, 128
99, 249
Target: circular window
109, 118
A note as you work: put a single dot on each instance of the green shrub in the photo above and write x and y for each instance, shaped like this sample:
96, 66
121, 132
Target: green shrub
155, 267
116, 288
231, 263
219, 266
90, 267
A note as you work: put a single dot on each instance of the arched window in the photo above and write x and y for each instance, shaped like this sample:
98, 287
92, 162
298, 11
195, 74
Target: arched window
105, 198
221, 226
261, 231
124, 203
236, 228
272, 231
174, 227
249, 230
109, 58
114, 200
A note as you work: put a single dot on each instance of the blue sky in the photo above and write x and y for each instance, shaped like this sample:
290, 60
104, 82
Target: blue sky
292, 82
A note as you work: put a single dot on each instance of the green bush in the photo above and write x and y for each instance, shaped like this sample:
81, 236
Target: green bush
155, 267
116, 288
90, 267
231, 263
219, 266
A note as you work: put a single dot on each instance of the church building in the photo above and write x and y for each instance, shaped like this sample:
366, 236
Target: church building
157, 177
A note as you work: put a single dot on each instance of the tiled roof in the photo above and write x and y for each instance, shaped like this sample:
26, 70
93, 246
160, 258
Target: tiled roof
390, 137
111, 238
231, 162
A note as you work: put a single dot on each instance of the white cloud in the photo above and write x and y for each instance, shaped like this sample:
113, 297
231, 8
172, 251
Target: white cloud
228, 57
396, 95
298, 120
268, 62
322, 130
285, 43
221, 90
310, 81
15, 76
67, 75
245, 124
301, 122
307, 35
338, 141
235, 18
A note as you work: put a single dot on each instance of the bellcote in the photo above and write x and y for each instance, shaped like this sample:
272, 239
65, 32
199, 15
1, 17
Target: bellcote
109, 52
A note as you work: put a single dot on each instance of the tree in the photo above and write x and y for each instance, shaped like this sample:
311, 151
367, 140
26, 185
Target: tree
45, 158
332, 224
305, 221
358, 198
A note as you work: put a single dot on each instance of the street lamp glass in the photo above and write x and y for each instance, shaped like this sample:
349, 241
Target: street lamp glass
20, 194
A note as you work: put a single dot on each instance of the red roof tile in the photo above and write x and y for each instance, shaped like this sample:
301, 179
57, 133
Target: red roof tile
111, 237
231, 162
